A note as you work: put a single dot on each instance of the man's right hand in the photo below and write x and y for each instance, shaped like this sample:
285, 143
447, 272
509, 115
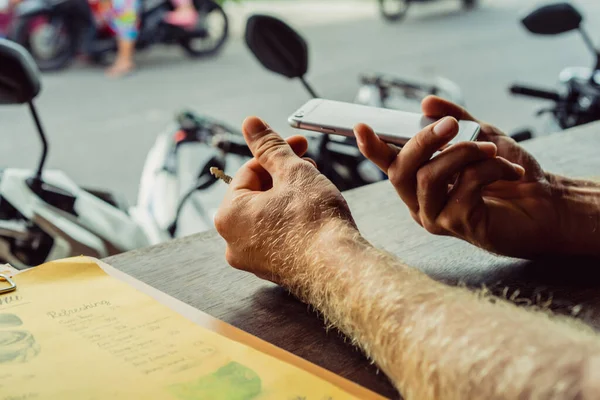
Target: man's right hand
491, 193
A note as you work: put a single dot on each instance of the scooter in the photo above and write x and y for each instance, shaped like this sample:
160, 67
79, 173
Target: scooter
578, 100
44, 215
53, 31
395, 10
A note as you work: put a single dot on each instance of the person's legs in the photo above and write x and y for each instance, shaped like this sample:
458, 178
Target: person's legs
125, 22
185, 14
124, 62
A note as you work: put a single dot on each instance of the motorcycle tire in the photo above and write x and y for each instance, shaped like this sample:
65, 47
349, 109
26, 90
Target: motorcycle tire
394, 14
469, 4
206, 9
62, 57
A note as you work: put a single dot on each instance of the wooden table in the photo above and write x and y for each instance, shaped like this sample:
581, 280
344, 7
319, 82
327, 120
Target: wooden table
194, 270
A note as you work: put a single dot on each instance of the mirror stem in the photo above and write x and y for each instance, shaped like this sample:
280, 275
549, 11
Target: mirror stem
308, 87
590, 44
38, 124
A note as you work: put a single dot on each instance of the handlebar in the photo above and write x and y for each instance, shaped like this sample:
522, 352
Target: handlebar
533, 92
233, 144
388, 82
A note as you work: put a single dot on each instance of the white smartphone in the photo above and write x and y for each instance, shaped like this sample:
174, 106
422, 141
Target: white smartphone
392, 126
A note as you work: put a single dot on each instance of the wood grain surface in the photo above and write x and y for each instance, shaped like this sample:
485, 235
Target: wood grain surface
194, 270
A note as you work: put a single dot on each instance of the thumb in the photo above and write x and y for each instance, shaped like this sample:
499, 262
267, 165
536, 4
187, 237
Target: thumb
269, 149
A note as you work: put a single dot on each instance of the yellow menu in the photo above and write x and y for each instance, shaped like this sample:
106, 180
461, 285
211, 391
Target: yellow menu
71, 331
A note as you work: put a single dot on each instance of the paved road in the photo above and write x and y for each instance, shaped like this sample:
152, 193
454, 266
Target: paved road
100, 130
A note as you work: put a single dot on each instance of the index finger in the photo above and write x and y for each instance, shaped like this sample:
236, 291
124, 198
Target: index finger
417, 152
252, 177
269, 149
436, 107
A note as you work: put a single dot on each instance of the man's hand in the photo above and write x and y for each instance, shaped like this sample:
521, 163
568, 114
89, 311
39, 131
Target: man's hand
491, 193
275, 206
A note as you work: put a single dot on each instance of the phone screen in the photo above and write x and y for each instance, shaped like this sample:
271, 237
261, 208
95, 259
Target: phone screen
398, 127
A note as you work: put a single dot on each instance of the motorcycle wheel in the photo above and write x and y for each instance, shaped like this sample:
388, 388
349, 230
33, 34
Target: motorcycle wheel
469, 4
393, 10
213, 21
49, 39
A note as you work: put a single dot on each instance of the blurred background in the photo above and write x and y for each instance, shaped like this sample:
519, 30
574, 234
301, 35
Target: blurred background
101, 129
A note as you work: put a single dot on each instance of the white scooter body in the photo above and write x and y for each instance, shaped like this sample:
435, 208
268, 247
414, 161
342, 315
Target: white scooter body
168, 176
98, 229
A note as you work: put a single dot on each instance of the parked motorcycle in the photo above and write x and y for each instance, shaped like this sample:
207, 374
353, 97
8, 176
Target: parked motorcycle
395, 10
577, 102
52, 30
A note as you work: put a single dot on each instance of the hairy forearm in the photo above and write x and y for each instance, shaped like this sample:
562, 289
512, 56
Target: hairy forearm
578, 203
434, 341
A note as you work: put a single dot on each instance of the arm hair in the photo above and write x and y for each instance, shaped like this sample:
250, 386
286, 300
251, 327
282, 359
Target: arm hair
435, 341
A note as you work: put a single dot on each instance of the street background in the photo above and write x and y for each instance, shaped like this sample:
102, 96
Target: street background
100, 130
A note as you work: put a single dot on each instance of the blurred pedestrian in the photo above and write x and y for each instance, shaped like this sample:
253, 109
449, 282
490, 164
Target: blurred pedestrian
125, 21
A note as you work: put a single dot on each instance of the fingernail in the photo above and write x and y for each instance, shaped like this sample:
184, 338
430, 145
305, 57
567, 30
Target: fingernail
488, 148
254, 126
446, 127
520, 170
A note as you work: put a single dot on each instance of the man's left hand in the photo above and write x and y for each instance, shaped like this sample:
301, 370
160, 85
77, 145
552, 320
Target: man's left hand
276, 205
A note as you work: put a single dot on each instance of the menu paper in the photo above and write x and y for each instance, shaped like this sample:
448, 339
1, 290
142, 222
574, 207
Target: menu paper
71, 331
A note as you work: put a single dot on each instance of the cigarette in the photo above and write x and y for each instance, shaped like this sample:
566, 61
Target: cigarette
217, 173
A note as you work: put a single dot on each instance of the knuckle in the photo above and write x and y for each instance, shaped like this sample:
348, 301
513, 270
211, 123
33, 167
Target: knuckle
474, 222
228, 217
450, 222
233, 260
425, 177
221, 222
415, 216
469, 148
396, 175
422, 139
299, 170
470, 174
431, 226
466, 151
270, 146
303, 178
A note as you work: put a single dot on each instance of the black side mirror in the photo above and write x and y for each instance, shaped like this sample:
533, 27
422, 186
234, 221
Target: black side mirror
19, 84
19, 74
553, 19
277, 46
